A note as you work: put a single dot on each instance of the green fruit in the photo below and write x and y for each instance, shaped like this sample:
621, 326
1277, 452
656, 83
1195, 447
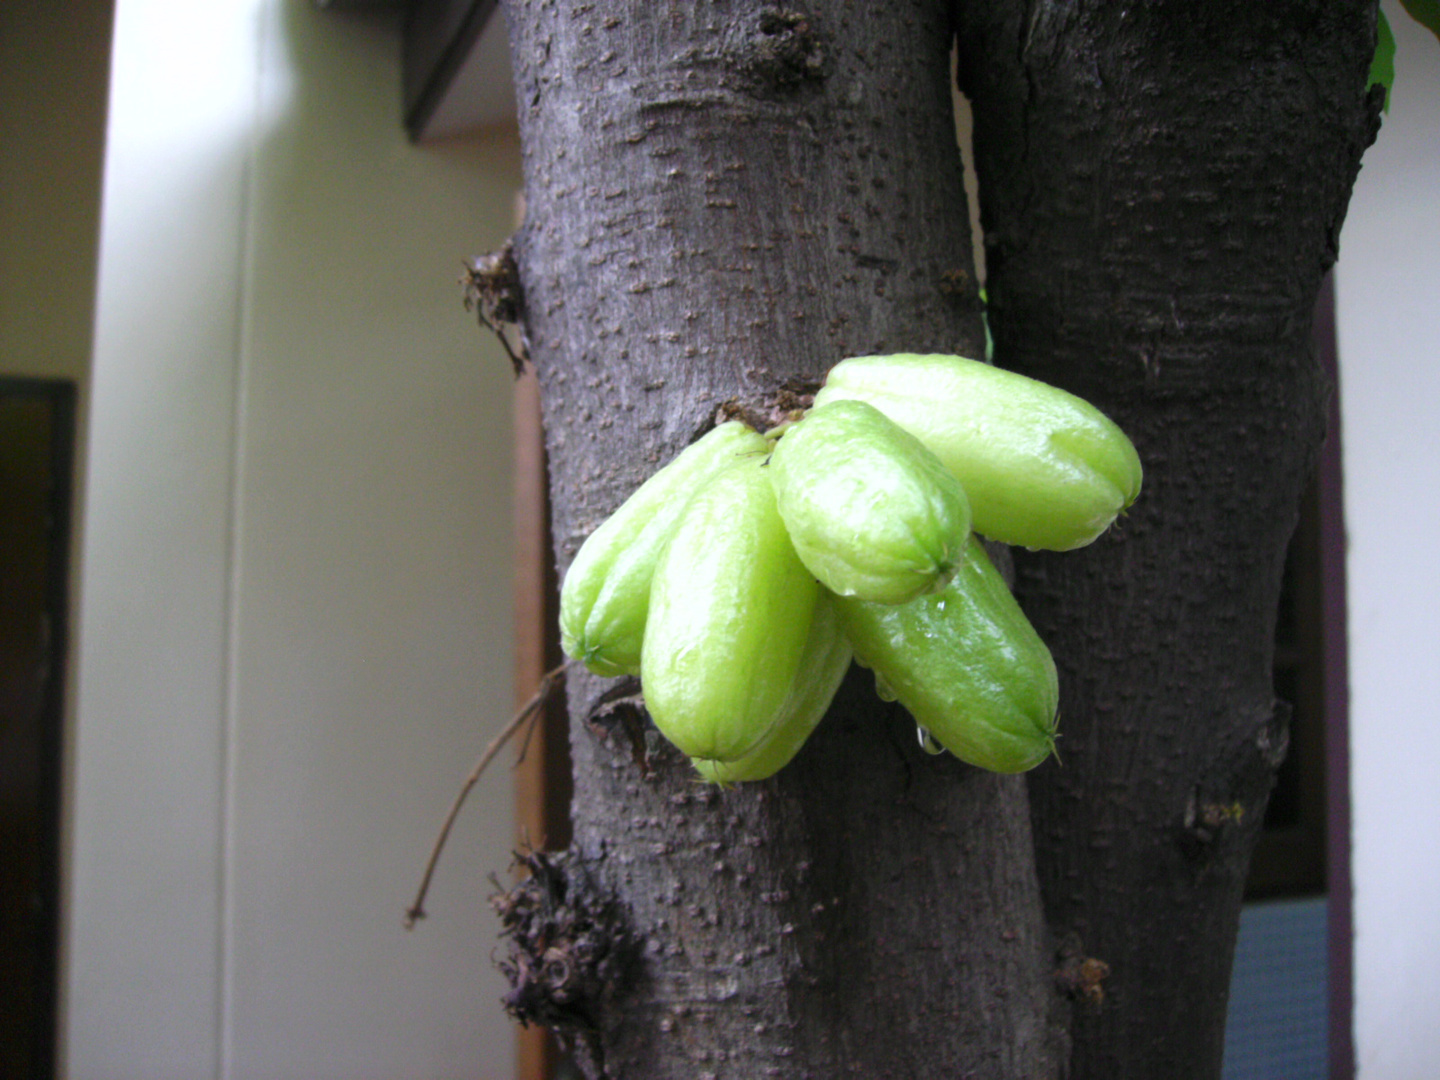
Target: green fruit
822, 667
730, 612
606, 595
1042, 468
967, 664
872, 513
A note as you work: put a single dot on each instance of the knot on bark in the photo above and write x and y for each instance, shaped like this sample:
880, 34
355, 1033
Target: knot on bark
491, 284
1272, 739
1079, 977
779, 51
566, 948
619, 713
1227, 805
786, 403
1205, 820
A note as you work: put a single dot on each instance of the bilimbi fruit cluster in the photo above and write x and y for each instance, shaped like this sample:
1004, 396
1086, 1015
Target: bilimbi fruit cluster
741, 579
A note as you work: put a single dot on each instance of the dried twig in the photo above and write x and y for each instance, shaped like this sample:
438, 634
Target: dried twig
517, 360
548, 682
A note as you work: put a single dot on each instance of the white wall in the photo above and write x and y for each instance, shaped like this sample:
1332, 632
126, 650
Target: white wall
1388, 314
295, 628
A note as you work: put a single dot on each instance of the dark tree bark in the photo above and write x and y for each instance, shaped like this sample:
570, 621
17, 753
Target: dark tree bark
1162, 187
723, 200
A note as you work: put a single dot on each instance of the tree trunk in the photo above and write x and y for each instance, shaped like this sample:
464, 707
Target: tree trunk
726, 198
1162, 187
722, 199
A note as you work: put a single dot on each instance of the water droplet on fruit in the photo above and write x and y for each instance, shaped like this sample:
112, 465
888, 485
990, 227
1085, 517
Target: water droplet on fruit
927, 741
883, 691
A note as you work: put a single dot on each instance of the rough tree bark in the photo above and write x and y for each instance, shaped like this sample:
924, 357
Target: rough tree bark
1162, 187
724, 199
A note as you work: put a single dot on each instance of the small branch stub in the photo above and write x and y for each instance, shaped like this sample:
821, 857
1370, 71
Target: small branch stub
492, 290
1079, 977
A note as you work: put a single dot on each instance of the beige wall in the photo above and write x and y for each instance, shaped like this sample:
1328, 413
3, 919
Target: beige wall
53, 61
295, 628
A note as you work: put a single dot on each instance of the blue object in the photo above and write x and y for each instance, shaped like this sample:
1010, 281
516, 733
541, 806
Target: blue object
1278, 1025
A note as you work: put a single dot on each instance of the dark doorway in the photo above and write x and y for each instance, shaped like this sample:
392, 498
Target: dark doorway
37, 434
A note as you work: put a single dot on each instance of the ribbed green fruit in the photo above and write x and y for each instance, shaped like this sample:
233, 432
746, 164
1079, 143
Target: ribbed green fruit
872, 513
1042, 468
967, 664
730, 612
606, 594
822, 667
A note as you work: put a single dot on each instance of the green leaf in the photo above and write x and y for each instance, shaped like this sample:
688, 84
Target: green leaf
1425, 12
1382, 68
